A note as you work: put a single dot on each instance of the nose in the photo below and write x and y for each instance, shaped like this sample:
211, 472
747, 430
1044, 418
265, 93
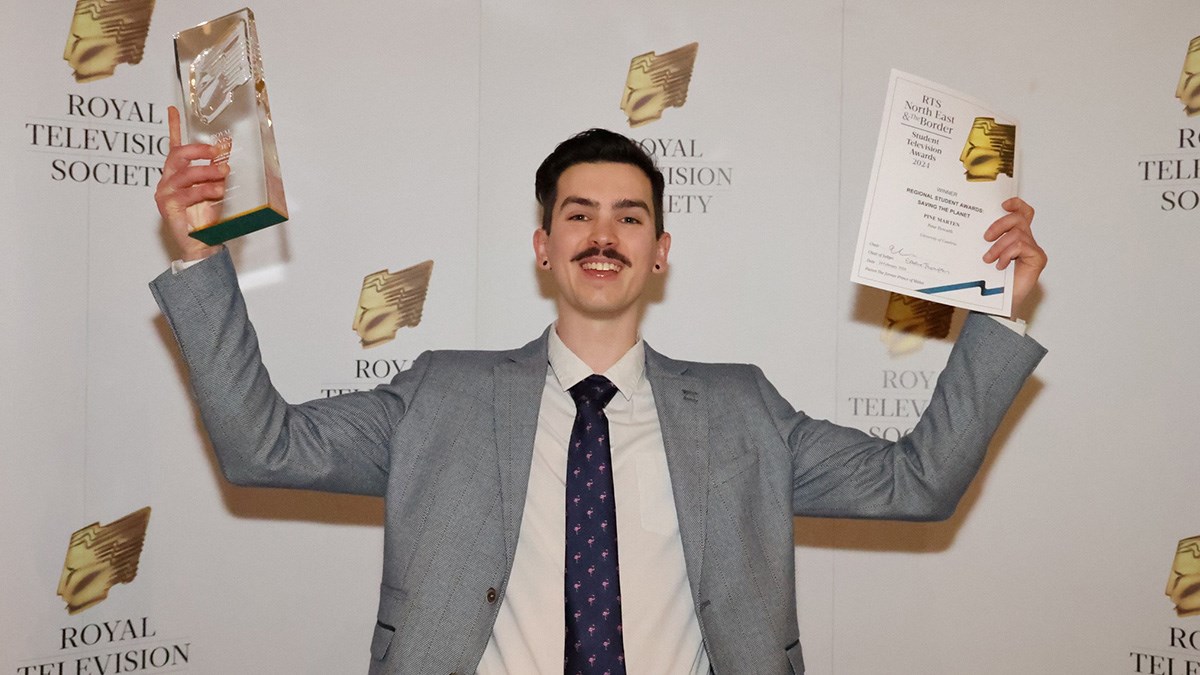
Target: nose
603, 233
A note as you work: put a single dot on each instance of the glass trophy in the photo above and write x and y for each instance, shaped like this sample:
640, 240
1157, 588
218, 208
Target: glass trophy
225, 104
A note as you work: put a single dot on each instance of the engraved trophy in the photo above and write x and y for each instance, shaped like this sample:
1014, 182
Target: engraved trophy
225, 104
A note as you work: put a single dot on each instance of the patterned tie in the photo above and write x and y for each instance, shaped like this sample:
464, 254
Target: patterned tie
593, 588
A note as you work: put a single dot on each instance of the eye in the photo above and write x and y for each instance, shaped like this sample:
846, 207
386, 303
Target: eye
577, 216
631, 220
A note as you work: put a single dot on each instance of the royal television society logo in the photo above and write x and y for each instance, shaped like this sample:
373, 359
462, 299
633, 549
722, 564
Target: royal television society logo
656, 82
105, 33
989, 151
693, 177
100, 557
1174, 175
91, 142
390, 301
1182, 641
1183, 584
909, 321
1188, 90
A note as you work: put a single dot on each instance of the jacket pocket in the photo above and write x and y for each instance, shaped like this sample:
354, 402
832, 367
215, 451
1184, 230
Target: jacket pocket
381, 640
795, 657
390, 600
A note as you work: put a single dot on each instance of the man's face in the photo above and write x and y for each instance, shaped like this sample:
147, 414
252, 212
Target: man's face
602, 247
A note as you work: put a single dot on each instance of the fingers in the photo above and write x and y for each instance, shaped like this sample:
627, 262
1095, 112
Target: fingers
181, 156
173, 204
1012, 237
173, 125
1015, 247
1015, 240
1013, 243
1018, 205
176, 187
1020, 216
1012, 234
185, 182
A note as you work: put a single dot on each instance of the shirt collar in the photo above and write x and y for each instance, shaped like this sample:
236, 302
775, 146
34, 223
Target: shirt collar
627, 373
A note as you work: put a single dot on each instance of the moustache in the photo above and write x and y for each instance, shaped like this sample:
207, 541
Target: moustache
607, 253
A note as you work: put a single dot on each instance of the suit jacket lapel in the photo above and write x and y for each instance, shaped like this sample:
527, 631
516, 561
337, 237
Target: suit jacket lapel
519, 385
680, 400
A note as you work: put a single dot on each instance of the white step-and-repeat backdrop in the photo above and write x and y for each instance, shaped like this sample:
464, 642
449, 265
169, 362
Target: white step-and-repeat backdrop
410, 132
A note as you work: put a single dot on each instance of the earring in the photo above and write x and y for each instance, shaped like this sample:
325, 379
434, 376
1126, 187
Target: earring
657, 266
545, 263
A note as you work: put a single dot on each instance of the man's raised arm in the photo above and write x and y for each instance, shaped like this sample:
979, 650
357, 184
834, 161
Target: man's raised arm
337, 444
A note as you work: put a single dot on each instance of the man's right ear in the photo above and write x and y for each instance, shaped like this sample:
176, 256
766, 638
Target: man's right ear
540, 239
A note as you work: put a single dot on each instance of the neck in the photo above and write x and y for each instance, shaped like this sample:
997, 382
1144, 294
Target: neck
598, 342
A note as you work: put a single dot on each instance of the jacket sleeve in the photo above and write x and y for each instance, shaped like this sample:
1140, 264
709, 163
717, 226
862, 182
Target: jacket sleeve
337, 444
844, 472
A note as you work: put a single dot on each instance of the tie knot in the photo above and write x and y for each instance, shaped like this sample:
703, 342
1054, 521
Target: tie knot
594, 391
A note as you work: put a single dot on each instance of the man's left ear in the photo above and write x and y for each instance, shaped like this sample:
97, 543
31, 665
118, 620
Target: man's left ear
662, 248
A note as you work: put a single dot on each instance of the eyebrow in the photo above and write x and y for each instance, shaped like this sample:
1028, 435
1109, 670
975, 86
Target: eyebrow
632, 204
619, 204
582, 201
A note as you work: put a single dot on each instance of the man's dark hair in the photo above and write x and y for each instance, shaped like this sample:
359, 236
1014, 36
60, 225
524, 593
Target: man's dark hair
595, 145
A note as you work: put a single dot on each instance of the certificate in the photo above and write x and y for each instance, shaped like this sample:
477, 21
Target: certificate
943, 165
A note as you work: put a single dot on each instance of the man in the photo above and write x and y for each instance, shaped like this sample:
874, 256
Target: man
492, 524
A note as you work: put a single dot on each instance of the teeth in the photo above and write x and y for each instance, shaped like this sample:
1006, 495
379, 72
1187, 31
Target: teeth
601, 266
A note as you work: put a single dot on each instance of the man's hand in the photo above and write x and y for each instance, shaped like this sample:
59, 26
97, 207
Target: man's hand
1014, 243
183, 185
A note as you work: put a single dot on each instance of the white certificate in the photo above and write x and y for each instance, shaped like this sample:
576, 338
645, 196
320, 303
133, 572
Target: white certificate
943, 165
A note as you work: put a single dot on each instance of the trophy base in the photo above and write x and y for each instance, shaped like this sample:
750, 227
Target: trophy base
237, 226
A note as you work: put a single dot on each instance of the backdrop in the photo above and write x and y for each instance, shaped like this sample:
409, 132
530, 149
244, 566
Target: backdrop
410, 131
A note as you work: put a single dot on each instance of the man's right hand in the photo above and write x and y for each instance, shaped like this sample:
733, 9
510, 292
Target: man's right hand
183, 185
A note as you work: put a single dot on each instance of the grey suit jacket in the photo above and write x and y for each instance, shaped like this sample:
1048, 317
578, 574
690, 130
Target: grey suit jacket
449, 443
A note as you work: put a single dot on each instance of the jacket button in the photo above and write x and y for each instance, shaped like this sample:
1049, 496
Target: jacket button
491, 595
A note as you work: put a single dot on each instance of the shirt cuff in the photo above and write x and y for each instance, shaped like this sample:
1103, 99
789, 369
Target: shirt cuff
1017, 326
178, 266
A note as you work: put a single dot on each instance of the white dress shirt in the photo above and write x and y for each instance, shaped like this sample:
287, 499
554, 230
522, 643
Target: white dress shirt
661, 632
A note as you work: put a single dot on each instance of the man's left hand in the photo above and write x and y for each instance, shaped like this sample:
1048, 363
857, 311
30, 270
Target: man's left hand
1012, 235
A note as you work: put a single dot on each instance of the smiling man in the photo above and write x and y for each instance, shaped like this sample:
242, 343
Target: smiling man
584, 503
602, 236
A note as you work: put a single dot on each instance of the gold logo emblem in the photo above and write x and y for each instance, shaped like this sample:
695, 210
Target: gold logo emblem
989, 150
1188, 91
217, 71
657, 82
100, 557
390, 301
105, 33
1183, 586
909, 321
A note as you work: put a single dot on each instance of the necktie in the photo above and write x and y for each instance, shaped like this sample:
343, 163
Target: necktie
593, 588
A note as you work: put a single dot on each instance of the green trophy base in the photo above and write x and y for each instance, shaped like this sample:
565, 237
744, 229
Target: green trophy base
237, 226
